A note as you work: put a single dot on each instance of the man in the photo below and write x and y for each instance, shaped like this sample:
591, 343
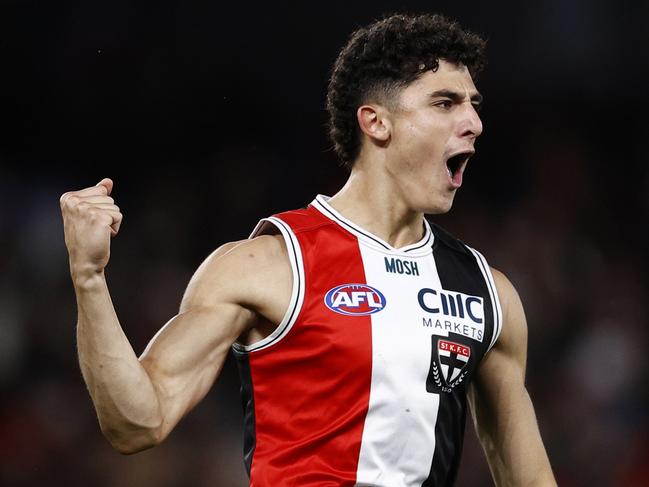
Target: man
360, 331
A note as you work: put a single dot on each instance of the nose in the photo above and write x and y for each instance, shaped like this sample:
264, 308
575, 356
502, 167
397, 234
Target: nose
471, 125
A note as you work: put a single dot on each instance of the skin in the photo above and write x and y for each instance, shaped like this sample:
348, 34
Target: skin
501, 407
401, 171
239, 291
242, 289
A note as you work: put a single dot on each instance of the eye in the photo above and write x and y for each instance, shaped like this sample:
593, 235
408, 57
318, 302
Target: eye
445, 104
477, 106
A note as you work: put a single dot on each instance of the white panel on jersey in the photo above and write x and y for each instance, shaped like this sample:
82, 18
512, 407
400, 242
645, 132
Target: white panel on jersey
398, 440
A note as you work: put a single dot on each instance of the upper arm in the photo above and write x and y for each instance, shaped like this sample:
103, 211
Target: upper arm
224, 299
511, 346
502, 410
501, 375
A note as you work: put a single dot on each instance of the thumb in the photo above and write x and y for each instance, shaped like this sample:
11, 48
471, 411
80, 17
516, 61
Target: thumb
106, 183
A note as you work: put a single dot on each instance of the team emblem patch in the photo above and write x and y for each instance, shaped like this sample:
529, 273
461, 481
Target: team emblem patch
453, 358
355, 299
449, 364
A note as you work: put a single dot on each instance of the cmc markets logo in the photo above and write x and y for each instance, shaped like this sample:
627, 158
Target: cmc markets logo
456, 305
453, 312
355, 299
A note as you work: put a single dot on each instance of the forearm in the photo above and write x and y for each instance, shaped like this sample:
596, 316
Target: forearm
125, 400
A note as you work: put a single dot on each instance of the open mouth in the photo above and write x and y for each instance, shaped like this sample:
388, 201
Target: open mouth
455, 166
457, 162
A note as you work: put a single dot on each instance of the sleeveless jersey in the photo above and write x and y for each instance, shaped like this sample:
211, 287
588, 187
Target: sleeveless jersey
363, 383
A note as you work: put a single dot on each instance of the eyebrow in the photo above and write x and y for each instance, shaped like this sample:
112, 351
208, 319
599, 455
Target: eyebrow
455, 96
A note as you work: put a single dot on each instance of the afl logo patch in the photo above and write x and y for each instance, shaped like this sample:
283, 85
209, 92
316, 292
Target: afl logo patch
355, 300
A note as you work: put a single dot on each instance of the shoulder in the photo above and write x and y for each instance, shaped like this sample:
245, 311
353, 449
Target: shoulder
510, 300
237, 270
513, 337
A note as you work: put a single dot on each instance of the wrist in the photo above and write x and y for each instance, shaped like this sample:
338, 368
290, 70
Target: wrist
86, 277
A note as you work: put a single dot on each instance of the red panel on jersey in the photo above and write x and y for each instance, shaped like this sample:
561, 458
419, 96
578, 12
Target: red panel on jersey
311, 389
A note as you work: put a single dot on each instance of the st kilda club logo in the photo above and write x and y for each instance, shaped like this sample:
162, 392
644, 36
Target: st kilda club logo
449, 365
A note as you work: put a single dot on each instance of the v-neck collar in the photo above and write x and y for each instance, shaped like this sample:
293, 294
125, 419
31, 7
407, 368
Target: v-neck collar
421, 247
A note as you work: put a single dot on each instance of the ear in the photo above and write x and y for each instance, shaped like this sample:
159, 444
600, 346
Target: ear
374, 122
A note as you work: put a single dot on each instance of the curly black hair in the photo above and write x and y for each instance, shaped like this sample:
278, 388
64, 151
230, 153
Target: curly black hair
386, 56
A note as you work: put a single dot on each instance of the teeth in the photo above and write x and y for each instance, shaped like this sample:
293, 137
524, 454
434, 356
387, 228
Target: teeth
450, 174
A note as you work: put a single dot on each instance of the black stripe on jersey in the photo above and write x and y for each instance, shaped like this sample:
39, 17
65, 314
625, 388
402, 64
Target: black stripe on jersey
449, 437
423, 244
458, 270
248, 404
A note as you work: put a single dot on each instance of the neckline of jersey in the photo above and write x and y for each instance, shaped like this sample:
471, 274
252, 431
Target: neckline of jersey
422, 247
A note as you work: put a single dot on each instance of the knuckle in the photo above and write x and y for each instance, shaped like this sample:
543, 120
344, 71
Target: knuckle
69, 201
71, 198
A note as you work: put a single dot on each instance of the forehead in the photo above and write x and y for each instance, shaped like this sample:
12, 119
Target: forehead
449, 76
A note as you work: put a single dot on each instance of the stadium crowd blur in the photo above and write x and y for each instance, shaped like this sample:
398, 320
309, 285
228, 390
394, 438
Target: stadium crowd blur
204, 137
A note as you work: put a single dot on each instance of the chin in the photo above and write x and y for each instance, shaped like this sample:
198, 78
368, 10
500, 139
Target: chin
438, 211
439, 207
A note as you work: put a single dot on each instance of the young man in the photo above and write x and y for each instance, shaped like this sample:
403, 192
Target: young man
360, 331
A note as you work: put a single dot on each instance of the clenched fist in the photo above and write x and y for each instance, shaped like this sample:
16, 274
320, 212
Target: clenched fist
90, 219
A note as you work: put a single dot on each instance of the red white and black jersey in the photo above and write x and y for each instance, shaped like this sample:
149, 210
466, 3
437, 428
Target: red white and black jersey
363, 383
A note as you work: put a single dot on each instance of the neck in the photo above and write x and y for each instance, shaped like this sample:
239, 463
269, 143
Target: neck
372, 201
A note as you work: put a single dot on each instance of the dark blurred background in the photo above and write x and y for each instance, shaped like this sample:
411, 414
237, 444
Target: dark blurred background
210, 116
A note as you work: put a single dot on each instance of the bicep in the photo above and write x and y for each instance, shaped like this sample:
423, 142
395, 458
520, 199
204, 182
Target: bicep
506, 361
184, 358
187, 354
224, 299
502, 372
501, 407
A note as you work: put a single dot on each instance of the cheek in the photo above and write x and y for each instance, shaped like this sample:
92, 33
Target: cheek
419, 142
425, 134
426, 152
414, 142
